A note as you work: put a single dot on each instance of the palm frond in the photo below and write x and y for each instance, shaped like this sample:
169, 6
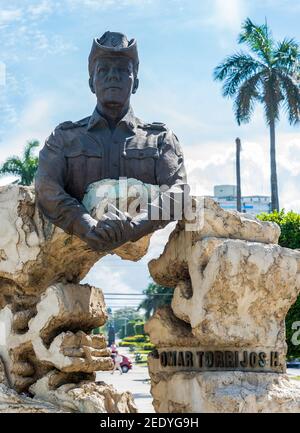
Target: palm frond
287, 56
12, 165
235, 69
29, 148
235, 62
291, 91
258, 38
272, 97
248, 94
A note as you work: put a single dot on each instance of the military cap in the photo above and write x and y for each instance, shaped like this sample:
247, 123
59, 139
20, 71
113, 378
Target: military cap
113, 44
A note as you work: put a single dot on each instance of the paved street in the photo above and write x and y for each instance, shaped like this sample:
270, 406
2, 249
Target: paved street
293, 371
136, 381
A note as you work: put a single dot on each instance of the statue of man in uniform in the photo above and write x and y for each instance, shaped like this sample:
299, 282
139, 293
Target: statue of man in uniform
111, 143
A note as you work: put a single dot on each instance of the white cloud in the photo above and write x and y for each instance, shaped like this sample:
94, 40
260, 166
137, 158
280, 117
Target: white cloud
34, 122
8, 16
218, 15
40, 9
216, 165
228, 14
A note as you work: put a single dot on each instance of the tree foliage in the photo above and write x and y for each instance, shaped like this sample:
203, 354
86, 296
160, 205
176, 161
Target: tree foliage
290, 238
156, 296
268, 73
25, 168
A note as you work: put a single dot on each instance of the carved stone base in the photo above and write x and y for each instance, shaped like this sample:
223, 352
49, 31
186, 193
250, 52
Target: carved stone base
84, 398
226, 392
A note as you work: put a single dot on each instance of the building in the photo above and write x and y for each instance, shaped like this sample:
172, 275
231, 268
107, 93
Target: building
225, 195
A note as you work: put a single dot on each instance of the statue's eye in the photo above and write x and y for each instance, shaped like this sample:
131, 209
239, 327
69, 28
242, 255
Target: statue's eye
102, 69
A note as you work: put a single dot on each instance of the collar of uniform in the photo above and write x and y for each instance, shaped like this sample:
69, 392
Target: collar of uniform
96, 118
129, 119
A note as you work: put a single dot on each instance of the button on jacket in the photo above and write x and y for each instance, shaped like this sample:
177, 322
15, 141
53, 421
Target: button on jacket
79, 153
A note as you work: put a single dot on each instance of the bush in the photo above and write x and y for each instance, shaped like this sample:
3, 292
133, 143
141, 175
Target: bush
148, 346
290, 238
289, 224
130, 328
136, 339
126, 344
139, 328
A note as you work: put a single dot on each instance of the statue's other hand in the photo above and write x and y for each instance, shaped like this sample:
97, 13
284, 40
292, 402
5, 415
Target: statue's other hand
96, 241
116, 225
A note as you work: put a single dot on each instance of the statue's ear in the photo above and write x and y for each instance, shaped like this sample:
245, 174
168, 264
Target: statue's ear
135, 85
91, 84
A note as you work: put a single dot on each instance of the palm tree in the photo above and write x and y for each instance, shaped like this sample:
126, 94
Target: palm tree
24, 168
238, 175
268, 74
156, 296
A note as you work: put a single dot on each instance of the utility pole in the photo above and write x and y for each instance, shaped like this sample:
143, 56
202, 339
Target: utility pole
238, 175
125, 324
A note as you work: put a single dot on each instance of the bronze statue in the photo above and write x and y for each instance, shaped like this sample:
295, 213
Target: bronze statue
111, 143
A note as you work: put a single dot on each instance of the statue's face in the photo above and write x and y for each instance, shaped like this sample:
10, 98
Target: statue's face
113, 80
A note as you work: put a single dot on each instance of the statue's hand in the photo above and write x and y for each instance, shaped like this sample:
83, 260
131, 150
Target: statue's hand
95, 241
128, 229
115, 227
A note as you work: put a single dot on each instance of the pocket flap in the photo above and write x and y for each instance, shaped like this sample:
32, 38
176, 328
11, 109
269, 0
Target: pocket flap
87, 148
146, 152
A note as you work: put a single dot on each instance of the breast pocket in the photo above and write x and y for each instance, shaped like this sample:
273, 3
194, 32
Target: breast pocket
140, 162
84, 166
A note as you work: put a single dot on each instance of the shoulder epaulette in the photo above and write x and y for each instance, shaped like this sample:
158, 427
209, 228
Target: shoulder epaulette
159, 126
83, 122
70, 125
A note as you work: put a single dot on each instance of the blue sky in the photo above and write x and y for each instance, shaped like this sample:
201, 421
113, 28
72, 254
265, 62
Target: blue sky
45, 45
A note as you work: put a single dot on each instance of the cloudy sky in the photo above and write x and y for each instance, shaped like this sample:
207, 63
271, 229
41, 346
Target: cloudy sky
44, 81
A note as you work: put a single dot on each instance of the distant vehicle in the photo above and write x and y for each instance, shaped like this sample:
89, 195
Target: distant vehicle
293, 364
126, 363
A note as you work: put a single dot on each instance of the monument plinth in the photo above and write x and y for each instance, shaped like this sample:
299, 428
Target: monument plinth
221, 346
46, 315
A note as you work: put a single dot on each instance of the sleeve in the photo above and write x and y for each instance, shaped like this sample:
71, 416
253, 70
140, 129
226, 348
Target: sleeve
172, 179
54, 202
173, 192
170, 169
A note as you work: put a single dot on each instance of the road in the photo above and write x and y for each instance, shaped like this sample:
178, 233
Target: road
293, 372
136, 381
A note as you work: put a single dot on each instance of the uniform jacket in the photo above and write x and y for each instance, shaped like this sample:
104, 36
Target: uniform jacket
79, 153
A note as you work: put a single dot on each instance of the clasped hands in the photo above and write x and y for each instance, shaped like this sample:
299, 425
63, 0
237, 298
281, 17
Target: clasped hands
116, 228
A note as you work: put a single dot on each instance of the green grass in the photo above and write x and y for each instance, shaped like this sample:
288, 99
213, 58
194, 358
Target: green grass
296, 377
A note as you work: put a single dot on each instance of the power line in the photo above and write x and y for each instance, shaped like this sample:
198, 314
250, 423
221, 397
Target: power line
137, 294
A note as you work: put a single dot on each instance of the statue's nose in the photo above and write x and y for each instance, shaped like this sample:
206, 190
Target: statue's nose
113, 74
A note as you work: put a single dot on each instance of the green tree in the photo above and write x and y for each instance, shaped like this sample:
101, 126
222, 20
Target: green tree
289, 224
156, 296
25, 168
121, 315
139, 328
290, 238
267, 74
130, 328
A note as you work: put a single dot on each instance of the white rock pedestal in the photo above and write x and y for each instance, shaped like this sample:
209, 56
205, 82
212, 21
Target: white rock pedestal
48, 357
221, 347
